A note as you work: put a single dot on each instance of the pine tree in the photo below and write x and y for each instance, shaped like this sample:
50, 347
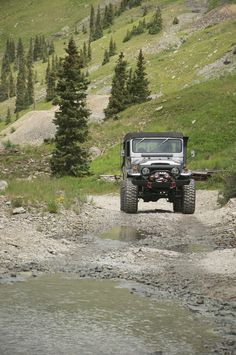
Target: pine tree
92, 23
89, 52
105, 23
12, 89
106, 57
5, 78
51, 48
118, 99
98, 32
155, 26
51, 86
112, 47
30, 55
8, 117
21, 85
138, 90
110, 14
70, 157
37, 50
30, 86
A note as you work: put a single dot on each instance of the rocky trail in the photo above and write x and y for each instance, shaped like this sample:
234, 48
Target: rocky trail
171, 256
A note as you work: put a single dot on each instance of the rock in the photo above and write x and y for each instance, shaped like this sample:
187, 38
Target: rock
159, 108
3, 185
95, 152
19, 210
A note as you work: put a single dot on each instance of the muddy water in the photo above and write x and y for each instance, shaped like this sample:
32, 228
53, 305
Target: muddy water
122, 233
64, 315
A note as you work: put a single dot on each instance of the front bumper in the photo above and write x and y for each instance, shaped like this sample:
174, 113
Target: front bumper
161, 185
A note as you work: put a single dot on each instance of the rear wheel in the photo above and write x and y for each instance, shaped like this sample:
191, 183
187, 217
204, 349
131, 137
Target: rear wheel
189, 198
130, 199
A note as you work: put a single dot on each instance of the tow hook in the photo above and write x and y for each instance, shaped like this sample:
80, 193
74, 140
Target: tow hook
173, 185
149, 185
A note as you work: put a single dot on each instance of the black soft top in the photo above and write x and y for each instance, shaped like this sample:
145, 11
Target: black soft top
132, 135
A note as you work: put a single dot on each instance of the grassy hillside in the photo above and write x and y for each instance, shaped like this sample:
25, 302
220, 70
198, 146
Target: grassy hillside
205, 112
184, 64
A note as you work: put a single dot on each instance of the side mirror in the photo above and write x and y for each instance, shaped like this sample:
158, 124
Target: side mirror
122, 153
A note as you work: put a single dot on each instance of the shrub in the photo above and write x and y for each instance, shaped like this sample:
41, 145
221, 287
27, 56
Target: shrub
229, 189
52, 206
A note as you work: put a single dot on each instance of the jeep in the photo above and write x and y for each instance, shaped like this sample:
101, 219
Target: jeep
154, 167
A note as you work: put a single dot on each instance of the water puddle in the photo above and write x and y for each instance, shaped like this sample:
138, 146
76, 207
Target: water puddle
59, 314
122, 233
191, 248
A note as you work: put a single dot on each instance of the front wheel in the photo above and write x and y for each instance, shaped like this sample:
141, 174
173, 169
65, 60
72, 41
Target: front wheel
129, 201
189, 198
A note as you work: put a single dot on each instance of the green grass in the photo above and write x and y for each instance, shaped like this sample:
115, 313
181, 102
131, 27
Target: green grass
51, 192
205, 112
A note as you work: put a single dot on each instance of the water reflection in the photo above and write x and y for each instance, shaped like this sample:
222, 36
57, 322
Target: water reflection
122, 233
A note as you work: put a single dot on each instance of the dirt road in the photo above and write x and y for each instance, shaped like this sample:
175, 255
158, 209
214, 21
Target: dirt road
191, 258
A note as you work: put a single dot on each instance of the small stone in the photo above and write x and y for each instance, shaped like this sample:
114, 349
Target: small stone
19, 210
3, 185
159, 108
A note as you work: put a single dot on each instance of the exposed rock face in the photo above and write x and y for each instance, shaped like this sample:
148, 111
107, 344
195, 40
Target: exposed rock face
95, 152
3, 185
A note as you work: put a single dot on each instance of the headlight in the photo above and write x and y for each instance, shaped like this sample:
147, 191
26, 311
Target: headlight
145, 171
175, 171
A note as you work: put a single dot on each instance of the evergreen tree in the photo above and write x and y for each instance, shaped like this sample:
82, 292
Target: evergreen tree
37, 49
105, 23
5, 78
110, 14
91, 23
8, 117
106, 57
51, 48
118, 99
70, 157
21, 85
89, 51
20, 49
30, 86
155, 26
138, 90
112, 47
98, 32
30, 55
51, 86
12, 89
48, 70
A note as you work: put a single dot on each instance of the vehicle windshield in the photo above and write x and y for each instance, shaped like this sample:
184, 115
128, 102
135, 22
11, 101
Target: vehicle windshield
157, 145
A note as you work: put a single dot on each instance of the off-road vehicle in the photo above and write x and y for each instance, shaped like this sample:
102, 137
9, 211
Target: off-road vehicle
154, 167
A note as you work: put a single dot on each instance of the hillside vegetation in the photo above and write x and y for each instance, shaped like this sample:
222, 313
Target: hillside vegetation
191, 68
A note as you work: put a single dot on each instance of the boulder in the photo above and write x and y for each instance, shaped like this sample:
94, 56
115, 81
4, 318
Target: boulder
3, 185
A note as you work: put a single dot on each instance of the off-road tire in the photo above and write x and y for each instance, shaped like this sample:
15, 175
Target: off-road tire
189, 198
130, 197
178, 205
122, 195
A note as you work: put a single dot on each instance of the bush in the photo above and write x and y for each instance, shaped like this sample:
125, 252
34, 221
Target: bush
229, 189
52, 206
